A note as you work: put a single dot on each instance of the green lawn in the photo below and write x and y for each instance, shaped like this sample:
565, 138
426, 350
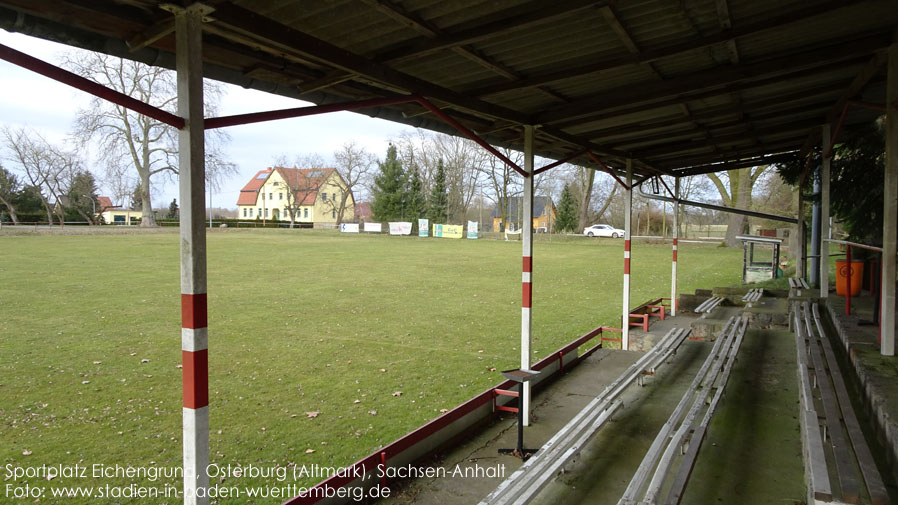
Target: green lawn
298, 322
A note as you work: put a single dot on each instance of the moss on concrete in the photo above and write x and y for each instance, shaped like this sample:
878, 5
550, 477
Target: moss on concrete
752, 453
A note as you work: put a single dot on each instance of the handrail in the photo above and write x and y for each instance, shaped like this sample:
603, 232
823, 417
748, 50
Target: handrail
853, 244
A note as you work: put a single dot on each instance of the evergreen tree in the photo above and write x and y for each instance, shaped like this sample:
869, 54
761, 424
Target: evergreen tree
389, 189
173, 209
415, 205
567, 211
438, 208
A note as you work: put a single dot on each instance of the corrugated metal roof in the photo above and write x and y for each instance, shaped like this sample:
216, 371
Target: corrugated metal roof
672, 84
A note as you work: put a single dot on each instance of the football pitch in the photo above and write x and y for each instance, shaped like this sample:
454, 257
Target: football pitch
322, 347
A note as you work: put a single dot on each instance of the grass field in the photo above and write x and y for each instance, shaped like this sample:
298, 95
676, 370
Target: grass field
298, 322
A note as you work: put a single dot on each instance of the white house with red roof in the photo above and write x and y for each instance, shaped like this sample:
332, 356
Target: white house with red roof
318, 196
114, 214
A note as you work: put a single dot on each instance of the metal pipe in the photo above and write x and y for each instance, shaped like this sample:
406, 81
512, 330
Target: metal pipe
468, 133
720, 208
272, 115
854, 244
557, 163
848, 281
76, 81
606, 169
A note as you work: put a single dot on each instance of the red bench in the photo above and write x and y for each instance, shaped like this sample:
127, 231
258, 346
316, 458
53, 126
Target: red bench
657, 308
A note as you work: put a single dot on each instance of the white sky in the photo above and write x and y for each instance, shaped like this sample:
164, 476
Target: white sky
29, 99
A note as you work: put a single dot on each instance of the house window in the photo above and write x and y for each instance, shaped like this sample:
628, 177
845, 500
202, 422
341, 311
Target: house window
271, 196
259, 213
306, 212
266, 212
244, 212
275, 184
324, 196
334, 197
333, 214
280, 196
250, 212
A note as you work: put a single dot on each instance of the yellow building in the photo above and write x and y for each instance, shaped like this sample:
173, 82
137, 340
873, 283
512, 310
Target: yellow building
544, 214
316, 196
113, 214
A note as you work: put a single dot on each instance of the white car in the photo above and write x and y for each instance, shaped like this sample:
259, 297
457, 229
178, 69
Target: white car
602, 230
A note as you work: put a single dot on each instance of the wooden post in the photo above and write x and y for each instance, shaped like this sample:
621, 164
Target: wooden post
527, 270
890, 207
194, 333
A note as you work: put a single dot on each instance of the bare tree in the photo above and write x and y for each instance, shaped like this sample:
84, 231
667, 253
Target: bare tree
129, 139
736, 193
9, 189
354, 163
44, 165
503, 181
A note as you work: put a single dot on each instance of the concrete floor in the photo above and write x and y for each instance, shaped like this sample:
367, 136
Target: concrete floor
752, 453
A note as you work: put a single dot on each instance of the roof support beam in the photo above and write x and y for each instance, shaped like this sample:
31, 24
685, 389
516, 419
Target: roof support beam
76, 81
653, 92
276, 38
515, 18
573, 69
866, 74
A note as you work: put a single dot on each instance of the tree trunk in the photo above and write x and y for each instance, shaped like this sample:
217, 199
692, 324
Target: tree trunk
735, 226
585, 200
146, 204
12, 210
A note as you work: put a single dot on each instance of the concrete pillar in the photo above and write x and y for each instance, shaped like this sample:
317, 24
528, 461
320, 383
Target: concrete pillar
824, 215
526, 279
628, 211
194, 333
890, 207
814, 273
676, 236
801, 257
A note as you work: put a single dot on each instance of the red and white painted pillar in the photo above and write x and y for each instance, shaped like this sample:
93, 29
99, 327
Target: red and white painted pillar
890, 210
194, 333
676, 239
628, 210
527, 275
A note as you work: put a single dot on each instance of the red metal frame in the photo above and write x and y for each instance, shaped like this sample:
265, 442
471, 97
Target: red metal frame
468, 133
76, 81
850, 103
258, 117
398, 446
557, 163
606, 169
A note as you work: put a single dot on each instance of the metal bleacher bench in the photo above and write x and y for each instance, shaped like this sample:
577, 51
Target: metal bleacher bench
753, 295
709, 305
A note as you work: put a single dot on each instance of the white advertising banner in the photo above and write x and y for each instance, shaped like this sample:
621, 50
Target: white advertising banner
472, 229
401, 228
423, 226
349, 227
372, 227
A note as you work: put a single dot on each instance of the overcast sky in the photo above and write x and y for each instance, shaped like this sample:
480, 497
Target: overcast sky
29, 99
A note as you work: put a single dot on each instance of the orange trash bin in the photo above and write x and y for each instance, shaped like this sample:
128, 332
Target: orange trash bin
857, 277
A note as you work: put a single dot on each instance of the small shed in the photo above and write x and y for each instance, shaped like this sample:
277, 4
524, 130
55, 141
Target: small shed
761, 257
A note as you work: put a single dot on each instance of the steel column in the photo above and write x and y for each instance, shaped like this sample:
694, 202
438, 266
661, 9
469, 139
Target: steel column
890, 207
527, 270
676, 237
194, 332
824, 214
628, 206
